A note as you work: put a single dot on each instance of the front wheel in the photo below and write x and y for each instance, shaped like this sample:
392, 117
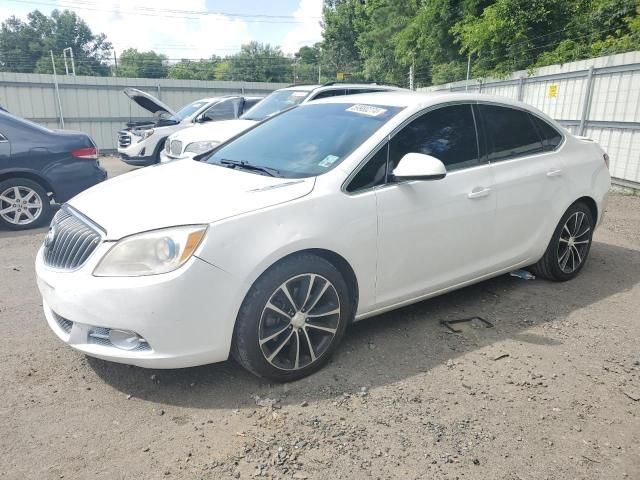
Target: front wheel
292, 319
569, 247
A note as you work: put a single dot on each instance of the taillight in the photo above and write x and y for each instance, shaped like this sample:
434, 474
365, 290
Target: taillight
88, 152
606, 160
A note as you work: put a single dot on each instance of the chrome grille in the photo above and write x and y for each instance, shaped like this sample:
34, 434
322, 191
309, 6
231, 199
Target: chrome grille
124, 139
70, 241
176, 147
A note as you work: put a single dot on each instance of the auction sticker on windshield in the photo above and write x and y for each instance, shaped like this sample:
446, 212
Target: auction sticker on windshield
328, 161
366, 110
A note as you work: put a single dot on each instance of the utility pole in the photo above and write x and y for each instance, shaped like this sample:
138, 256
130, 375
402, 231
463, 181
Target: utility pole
319, 73
55, 82
73, 65
411, 77
466, 87
115, 62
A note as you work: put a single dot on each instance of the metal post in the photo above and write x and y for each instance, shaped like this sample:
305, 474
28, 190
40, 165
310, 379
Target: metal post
73, 64
411, 77
521, 89
466, 87
115, 62
319, 72
159, 92
55, 82
586, 103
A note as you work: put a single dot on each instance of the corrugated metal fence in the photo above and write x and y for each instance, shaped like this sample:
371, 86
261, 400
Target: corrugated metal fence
97, 106
598, 98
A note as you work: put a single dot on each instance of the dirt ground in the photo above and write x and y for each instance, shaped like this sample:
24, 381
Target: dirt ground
552, 391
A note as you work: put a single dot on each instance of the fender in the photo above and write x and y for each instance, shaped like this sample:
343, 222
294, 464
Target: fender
30, 174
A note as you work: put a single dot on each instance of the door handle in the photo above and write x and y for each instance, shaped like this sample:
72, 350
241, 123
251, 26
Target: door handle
554, 173
479, 192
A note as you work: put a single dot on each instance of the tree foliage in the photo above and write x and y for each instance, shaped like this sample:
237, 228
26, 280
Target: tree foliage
381, 39
133, 63
25, 45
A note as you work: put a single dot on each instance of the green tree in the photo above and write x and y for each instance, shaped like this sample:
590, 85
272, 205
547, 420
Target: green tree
260, 62
25, 46
339, 50
195, 70
133, 63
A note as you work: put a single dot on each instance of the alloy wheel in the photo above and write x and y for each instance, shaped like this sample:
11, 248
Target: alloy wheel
20, 205
299, 322
573, 243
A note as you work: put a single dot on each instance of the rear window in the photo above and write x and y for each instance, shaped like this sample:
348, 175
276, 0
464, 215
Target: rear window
510, 132
306, 141
551, 138
274, 103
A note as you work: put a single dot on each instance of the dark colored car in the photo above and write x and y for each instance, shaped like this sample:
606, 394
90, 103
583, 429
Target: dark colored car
39, 167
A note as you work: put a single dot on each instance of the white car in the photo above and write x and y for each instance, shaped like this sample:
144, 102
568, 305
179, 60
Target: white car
202, 138
141, 142
328, 213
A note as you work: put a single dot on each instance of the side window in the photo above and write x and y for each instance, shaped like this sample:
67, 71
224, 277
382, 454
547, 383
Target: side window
551, 138
448, 134
249, 102
3, 138
510, 133
355, 91
330, 93
225, 110
373, 173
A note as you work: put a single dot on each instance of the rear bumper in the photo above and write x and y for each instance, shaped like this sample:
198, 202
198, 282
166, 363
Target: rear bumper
78, 176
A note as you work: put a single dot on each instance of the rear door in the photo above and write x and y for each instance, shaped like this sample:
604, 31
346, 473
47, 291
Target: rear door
528, 175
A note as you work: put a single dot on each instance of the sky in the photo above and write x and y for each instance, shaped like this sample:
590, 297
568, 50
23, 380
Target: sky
180, 30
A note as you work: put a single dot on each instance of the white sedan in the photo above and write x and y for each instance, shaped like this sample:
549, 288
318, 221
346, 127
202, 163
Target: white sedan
332, 212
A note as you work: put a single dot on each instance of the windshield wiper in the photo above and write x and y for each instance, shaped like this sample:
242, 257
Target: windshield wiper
272, 172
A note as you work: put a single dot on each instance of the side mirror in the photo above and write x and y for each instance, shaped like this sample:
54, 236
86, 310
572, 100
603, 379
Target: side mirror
417, 166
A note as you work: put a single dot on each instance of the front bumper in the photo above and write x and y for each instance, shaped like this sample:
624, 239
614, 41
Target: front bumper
186, 316
138, 161
164, 157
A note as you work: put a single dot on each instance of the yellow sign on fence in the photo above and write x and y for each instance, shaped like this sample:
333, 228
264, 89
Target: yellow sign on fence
340, 76
553, 91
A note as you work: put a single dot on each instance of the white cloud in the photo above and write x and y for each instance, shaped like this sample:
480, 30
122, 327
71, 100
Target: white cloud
309, 31
198, 36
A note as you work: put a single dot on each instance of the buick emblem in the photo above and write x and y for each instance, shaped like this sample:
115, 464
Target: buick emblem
51, 235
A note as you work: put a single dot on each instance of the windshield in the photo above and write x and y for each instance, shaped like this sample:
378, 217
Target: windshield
274, 103
305, 141
188, 110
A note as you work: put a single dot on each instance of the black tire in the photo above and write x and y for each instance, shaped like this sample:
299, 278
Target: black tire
41, 217
550, 266
303, 275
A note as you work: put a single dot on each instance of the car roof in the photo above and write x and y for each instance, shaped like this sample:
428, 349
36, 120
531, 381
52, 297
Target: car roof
418, 100
337, 85
222, 97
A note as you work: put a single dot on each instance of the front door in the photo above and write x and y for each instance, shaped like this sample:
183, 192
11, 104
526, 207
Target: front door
435, 234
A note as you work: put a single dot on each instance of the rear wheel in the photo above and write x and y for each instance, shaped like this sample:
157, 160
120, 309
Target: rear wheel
24, 204
292, 319
569, 247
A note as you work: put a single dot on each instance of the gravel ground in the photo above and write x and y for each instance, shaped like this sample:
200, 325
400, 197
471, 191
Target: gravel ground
552, 391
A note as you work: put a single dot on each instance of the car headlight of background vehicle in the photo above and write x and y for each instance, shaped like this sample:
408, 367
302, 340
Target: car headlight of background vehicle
144, 134
201, 147
151, 253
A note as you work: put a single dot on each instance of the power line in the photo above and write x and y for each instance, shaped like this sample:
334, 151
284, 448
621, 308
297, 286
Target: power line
170, 13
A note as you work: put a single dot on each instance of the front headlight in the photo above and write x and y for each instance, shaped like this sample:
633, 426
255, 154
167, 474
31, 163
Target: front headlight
201, 147
144, 134
151, 253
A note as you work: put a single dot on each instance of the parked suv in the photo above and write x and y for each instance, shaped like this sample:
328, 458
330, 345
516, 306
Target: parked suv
140, 143
186, 144
38, 166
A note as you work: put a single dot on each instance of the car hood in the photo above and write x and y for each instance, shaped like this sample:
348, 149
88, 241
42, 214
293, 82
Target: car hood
213, 131
148, 102
183, 192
